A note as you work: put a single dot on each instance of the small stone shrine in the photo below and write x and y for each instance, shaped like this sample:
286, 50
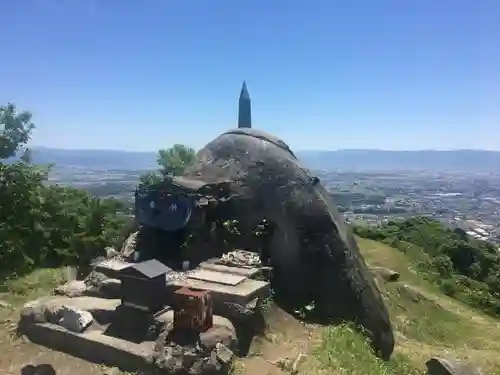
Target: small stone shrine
144, 286
143, 295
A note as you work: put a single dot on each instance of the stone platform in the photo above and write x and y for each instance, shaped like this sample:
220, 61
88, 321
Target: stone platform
130, 342
94, 344
226, 283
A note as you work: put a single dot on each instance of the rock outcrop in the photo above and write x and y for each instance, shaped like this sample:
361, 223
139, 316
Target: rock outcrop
385, 274
52, 310
75, 320
313, 252
448, 366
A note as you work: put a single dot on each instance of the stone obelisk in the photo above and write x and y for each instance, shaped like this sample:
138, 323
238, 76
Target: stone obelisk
244, 108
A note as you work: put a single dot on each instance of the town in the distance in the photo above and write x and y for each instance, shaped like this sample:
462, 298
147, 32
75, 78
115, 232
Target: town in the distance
460, 188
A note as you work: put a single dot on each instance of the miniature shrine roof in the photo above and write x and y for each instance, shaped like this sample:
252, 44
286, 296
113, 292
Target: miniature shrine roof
149, 269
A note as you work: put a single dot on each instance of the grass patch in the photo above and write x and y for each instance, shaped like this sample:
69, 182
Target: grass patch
435, 318
435, 324
420, 318
32, 286
345, 351
425, 321
381, 255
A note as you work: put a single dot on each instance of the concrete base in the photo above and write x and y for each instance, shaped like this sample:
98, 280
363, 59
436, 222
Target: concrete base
242, 293
93, 346
97, 345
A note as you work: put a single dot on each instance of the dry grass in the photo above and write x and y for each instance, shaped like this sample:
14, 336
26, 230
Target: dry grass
35, 285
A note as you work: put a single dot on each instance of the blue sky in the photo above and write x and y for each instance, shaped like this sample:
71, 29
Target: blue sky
322, 74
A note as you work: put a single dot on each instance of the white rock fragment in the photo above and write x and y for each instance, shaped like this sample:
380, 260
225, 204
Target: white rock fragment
72, 289
241, 258
224, 354
74, 319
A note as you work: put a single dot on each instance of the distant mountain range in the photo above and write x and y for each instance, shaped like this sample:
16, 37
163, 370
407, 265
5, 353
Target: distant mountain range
94, 159
345, 160
472, 160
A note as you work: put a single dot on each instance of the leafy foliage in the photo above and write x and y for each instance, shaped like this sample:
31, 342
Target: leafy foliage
41, 224
149, 179
15, 130
172, 162
465, 268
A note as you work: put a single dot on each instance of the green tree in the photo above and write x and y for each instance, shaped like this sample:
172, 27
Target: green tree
443, 265
149, 179
15, 130
449, 287
43, 224
174, 161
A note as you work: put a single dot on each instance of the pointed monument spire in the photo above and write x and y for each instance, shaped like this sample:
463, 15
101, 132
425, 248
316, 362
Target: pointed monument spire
244, 91
244, 108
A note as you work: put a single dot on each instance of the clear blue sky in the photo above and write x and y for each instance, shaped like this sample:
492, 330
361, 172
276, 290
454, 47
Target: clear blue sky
322, 74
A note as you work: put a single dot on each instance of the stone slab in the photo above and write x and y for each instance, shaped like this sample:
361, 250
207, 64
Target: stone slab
216, 277
92, 346
248, 272
112, 267
242, 293
91, 304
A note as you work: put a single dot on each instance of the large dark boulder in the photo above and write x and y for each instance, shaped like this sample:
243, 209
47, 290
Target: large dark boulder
313, 252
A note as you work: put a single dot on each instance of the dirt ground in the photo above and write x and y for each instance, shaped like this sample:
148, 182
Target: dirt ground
17, 353
280, 347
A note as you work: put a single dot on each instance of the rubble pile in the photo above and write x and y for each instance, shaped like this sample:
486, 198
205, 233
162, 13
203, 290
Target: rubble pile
195, 359
241, 258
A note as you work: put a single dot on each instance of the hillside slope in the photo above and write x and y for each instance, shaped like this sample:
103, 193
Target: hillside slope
429, 323
426, 322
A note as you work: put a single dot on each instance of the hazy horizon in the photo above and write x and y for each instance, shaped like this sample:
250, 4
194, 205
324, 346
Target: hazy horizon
297, 150
472, 160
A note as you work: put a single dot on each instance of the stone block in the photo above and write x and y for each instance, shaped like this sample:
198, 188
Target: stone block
74, 319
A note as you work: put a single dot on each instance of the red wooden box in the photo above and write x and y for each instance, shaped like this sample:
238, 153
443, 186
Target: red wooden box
192, 310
